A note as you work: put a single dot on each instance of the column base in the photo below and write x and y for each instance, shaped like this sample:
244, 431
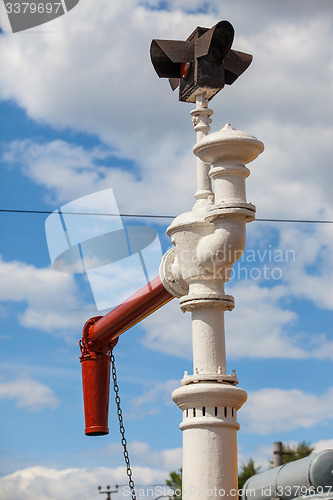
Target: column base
204, 394
209, 439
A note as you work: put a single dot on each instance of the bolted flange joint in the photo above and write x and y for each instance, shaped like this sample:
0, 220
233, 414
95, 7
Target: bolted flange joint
89, 348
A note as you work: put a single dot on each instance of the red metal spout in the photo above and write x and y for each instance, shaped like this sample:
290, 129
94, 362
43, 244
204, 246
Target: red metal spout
96, 389
100, 335
129, 313
95, 367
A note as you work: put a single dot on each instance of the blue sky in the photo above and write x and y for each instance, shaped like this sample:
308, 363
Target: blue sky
82, 111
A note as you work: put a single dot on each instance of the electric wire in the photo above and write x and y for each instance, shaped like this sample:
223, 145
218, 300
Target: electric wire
153, 216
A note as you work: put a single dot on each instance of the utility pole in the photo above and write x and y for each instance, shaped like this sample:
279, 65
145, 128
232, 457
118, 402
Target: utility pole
277, 454
108, 491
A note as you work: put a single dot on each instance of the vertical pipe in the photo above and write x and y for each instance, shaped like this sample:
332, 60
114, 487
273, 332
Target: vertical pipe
208, 340
96, 389
201, 122
209, 399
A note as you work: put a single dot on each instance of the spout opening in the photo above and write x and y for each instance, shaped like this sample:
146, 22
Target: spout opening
96, 431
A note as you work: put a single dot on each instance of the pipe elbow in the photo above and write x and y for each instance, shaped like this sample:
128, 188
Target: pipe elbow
217, 252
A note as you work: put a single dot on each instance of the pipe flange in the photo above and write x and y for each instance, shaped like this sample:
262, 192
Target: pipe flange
88, 347
173, 284
202, 377
189, 302
233, 204
223, 210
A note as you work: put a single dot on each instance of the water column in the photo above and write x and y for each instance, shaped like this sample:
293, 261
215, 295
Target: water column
207, 241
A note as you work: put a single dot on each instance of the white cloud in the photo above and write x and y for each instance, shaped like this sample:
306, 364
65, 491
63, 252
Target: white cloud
257, 333
271, 410
82, 76
114, 283
280, 99
89, 76
250, 331
64, 169
168, 460
53, 304
268, 331
28, 393
69, 171
141, 452
69, 484
51, 298
283, 183
169, 330
154, 396
311, 275
84, 81
323, 444
260, 331
276, 99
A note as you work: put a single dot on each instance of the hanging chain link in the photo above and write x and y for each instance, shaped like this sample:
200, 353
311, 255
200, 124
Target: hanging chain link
121, 427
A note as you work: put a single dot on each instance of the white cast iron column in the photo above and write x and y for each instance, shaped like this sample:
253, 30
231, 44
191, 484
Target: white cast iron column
207, 242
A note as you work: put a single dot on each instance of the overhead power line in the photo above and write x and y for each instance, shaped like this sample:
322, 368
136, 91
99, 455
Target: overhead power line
297, 220
151, 216
49, 212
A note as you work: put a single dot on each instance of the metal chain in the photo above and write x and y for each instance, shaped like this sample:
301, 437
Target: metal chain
121, 427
